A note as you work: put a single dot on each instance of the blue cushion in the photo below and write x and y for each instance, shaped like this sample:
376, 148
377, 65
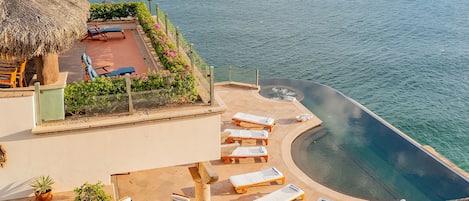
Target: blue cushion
121, 71
91, 72
111, 29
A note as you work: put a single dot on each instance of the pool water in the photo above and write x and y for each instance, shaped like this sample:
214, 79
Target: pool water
359, 154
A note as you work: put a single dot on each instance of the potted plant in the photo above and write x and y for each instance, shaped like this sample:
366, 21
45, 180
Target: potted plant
91, 192
43, 188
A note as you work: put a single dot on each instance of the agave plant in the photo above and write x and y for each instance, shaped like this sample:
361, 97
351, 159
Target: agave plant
42, 184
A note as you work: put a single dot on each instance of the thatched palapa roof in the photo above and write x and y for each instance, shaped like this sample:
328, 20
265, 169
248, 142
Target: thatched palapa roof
39, 27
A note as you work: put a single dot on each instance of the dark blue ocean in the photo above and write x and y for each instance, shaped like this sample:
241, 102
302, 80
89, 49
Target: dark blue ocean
406, 60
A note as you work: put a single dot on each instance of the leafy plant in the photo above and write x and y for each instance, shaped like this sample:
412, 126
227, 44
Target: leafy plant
42, 184
91, 192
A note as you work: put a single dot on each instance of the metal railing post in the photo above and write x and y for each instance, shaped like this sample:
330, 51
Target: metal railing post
149, 6
166, 23
191, 52
37, 93
257, 77
177, 38
128, 87
156, 11
212, 87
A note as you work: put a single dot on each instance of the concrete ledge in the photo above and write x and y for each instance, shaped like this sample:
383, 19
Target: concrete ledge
112, 121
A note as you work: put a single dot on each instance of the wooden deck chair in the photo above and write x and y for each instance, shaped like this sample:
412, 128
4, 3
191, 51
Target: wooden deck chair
20, 76
242, 182
12, 71
246, 152
288, 192
90, 73
250, 119
102, 32
8, 77
239, 134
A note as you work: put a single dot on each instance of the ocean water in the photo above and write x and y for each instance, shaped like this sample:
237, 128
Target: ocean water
406, 60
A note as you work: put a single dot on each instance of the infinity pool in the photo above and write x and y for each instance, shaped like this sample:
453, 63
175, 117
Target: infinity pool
357, 153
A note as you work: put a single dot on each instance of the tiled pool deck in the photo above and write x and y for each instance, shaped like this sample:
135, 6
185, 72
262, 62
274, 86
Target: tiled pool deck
158, 184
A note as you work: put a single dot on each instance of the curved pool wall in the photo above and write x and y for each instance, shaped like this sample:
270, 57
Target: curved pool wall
357, 153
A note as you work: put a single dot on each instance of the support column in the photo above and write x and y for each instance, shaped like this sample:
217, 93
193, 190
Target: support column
203, 175
47, 68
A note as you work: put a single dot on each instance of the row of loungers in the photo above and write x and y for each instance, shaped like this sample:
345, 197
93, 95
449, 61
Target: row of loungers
241, 119
242, 182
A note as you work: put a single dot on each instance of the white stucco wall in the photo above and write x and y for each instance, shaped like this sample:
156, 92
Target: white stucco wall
92, 155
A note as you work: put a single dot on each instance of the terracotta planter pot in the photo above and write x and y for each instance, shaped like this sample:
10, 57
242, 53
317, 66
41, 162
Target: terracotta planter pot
44, 197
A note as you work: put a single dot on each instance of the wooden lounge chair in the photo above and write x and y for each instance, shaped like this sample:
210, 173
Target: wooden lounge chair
20, 76
246, 152
242, 182
8, 77
248, 120
238, 134
12, 72
102, 32
91, 74
286, 193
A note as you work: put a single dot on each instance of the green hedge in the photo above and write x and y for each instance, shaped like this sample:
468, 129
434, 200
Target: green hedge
112, 11
176, 80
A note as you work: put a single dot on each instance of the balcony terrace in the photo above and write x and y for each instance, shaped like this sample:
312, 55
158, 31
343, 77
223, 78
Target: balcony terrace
92, 148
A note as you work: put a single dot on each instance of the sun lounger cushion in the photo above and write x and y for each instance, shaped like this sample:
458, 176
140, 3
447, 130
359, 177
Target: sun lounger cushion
97, 31
244, 181
254, 119
105, 30
238, 134
250, 120
126, 198
92, 74
177, 197
247, 152
121, 71
286, 193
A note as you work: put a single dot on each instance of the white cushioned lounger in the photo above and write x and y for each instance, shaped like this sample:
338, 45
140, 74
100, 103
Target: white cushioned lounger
240, 134
247, 152
177, 197
286, 193
240, 118
242, 182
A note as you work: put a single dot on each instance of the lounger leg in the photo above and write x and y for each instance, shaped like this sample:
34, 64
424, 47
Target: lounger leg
266, 158
123, 34
241, 190
266, 141
283, 180
229, 140
226, 160
302, 196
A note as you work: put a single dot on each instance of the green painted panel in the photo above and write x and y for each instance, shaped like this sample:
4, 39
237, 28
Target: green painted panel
52, 104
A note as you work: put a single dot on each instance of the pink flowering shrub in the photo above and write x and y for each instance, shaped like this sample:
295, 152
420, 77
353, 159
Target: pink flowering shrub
180, 72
